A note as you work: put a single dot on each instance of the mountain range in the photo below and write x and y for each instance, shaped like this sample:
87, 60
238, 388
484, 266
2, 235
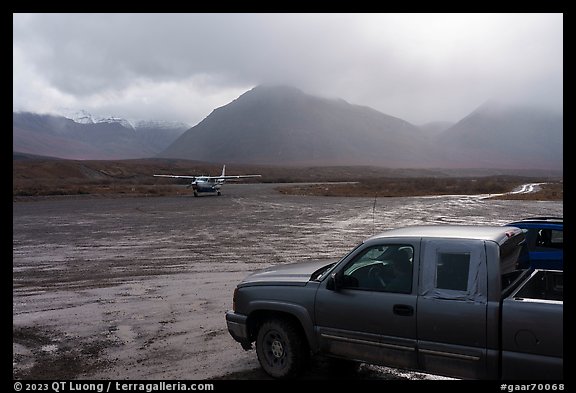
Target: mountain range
284, 126
83, 136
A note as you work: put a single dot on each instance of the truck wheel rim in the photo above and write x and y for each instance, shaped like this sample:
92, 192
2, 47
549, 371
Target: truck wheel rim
274, 349
277, 349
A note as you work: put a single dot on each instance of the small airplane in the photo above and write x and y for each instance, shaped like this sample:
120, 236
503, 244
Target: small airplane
205, 184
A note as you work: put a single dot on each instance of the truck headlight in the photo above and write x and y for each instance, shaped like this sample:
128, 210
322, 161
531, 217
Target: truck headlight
234, 297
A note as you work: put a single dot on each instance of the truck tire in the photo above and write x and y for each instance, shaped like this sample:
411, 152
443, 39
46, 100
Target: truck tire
281, 349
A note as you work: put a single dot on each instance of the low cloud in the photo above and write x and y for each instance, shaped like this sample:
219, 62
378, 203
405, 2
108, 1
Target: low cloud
420, 67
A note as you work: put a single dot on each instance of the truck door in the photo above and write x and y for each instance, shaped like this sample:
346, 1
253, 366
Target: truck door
452, 306
371, 314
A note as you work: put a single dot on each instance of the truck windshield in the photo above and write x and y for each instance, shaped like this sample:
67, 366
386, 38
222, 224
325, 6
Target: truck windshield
319, 274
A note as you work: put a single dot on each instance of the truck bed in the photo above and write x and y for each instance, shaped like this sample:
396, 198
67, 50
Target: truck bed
534, 346
542, 285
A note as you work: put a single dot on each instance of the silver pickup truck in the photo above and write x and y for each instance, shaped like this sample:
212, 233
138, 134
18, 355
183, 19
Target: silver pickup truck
440, 299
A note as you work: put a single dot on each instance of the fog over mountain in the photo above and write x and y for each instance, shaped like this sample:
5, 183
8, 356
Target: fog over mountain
436, 127
283, 125
505, 136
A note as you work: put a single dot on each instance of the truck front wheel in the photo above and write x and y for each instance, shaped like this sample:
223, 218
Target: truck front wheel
281, 349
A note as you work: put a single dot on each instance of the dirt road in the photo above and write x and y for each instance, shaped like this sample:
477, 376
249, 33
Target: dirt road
136, 288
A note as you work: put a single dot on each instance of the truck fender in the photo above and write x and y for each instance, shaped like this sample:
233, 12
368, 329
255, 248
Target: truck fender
295, 310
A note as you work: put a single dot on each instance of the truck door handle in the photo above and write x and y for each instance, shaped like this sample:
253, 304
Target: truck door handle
403, 310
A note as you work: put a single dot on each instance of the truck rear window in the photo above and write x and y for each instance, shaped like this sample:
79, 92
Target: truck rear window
452, 271
510, 252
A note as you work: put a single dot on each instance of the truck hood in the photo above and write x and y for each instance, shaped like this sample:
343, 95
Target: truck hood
298, 273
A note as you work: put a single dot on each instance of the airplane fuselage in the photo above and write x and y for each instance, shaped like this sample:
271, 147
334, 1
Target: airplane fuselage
204, 185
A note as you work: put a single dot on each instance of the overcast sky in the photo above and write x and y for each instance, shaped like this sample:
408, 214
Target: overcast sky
419, 67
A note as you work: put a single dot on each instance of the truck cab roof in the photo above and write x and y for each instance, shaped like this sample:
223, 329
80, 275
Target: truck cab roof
498, 234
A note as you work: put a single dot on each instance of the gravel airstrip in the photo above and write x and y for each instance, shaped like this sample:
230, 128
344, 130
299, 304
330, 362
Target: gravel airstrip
136, 288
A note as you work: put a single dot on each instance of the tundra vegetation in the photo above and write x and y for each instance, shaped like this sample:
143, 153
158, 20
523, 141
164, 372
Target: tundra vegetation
403, 187
49, 177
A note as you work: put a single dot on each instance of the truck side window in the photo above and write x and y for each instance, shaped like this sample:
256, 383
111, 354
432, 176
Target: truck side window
452, 271
381, 268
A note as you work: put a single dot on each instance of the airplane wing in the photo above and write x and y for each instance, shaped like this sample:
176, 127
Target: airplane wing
221, 178
228, 177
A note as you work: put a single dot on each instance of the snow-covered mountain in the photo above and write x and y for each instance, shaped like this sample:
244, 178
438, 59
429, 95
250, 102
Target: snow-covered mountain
84, 117
82, 135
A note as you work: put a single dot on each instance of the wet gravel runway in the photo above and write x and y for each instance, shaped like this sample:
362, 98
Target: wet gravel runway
136, 288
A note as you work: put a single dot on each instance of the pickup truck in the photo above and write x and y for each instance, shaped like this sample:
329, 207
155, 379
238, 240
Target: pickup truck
439, 299
544, 247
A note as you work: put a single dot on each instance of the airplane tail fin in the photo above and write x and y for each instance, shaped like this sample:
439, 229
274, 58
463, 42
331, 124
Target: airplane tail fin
223, 171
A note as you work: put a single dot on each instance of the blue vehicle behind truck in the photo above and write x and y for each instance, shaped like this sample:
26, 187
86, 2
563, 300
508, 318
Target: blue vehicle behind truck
544, 242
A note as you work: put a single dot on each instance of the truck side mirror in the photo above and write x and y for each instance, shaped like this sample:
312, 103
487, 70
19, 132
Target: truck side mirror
334, 282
